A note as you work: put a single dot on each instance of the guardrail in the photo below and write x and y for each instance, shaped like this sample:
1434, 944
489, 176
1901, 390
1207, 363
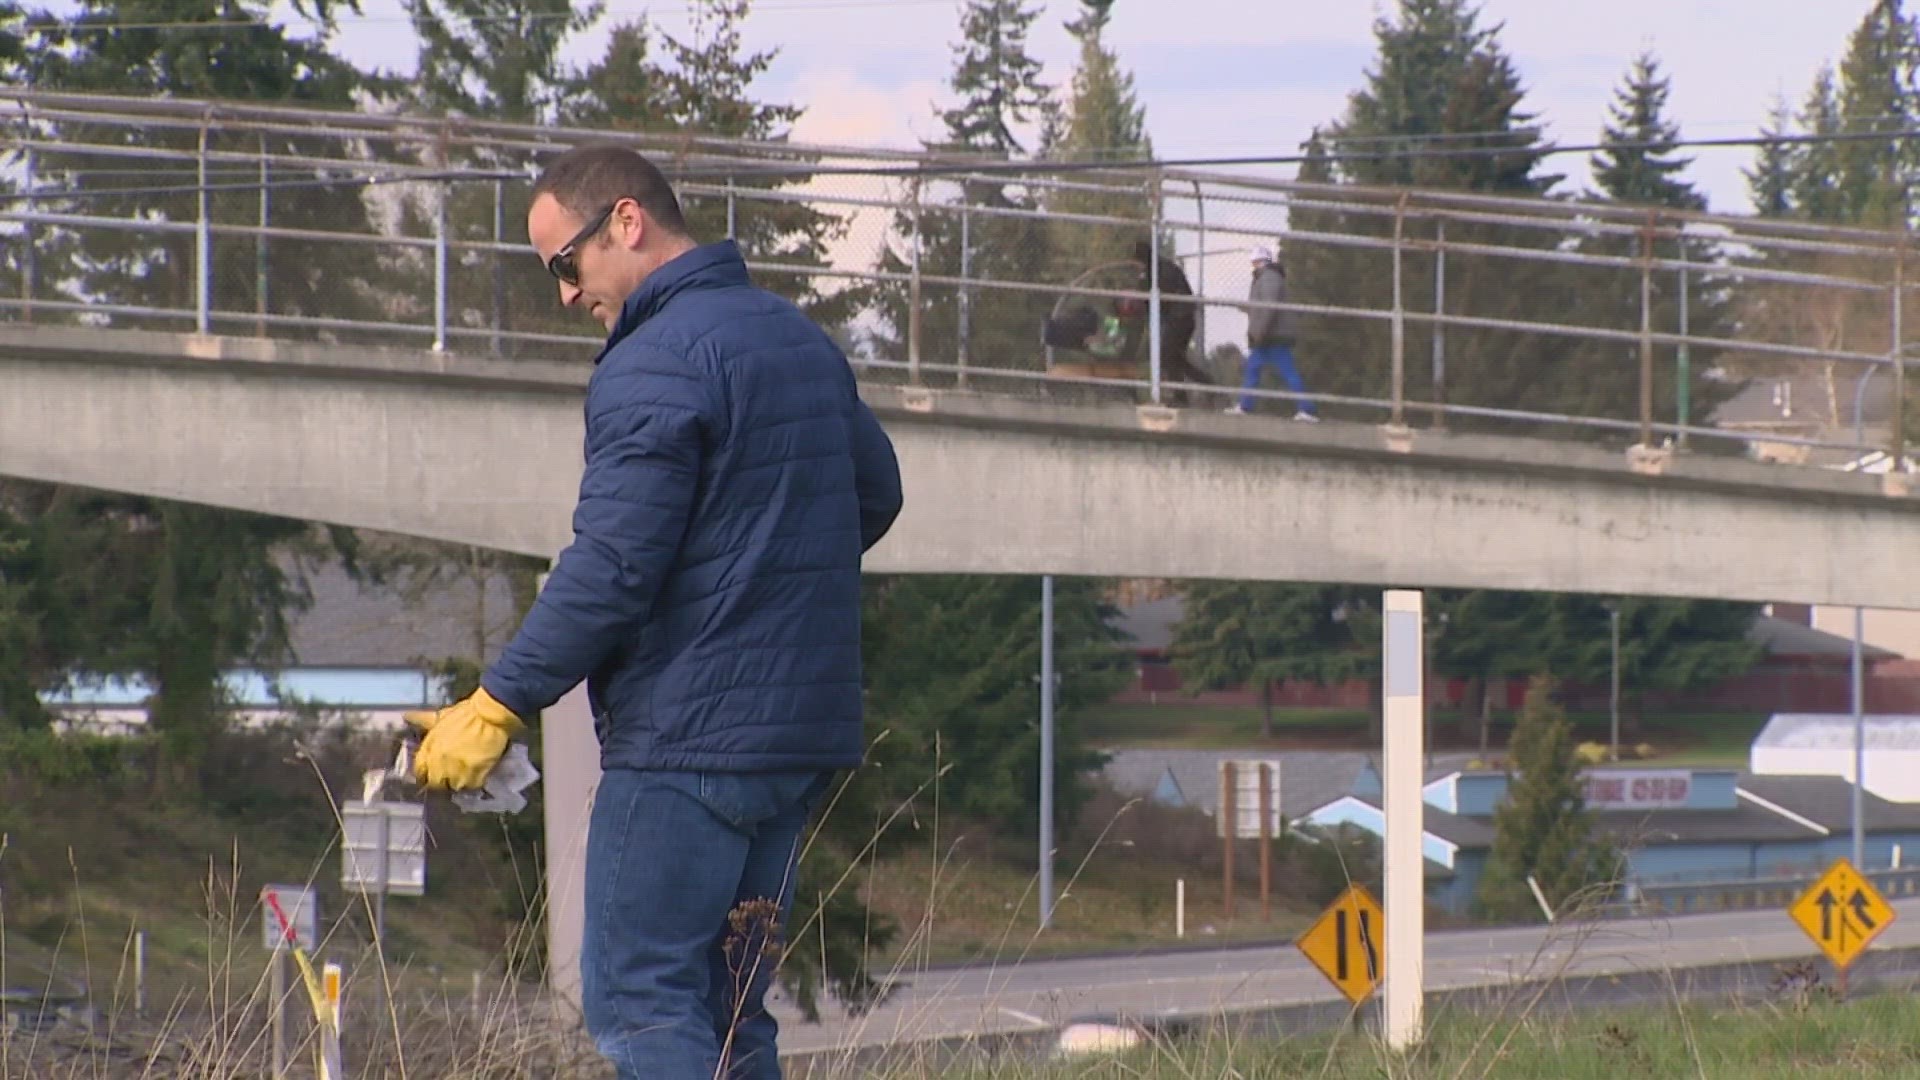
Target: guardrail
1564, 318
1680, 898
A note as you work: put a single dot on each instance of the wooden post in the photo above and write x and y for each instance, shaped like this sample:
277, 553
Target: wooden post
1229, 825
1266, 843
276, 1015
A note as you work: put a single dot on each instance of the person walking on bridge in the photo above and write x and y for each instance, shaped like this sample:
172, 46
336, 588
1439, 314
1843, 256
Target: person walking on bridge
1270, 335
710, 600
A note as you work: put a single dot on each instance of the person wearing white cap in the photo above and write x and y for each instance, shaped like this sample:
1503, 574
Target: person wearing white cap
1270, 334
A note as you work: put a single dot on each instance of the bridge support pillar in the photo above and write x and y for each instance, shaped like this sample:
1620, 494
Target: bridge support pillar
570, 773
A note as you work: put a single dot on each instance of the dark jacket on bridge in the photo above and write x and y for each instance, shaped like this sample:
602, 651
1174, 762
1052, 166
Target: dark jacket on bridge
711, 595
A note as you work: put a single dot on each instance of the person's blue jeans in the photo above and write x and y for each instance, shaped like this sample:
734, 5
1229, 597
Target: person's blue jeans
1280, 358
670, 976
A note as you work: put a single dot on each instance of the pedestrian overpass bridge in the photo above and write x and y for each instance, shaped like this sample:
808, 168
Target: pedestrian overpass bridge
486, 452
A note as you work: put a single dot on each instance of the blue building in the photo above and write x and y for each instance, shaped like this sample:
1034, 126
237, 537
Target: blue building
361, 652
1695, 831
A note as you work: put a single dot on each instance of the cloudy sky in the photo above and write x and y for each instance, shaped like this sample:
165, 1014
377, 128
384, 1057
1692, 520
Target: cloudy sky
1253, 76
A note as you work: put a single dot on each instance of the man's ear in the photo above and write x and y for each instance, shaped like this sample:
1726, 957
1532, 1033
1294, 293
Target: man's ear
634, 226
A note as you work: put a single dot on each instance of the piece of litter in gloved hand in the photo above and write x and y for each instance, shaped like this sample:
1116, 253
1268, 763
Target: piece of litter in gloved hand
501, 792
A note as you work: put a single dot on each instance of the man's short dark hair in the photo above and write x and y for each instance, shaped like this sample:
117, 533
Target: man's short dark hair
588, 179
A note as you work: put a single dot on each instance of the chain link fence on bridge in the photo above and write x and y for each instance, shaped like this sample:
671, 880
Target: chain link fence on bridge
1125, 284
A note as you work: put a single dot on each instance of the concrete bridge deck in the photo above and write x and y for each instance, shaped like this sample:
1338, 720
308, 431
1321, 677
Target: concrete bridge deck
487, 452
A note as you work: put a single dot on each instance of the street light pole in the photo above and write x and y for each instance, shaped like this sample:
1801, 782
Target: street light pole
1613, 698
1859, 625
1046, 750
1859, 742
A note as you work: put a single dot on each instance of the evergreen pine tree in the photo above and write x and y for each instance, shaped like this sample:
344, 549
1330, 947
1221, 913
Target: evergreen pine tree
1876, 177
1438, 74
190, 591
996, 81
996, 78
493, 59
498, 60
1816, 190
706, 88
1775, 164
1101, 122
1859, 182
621, 89
1542, 828
1260, 633
1637, 166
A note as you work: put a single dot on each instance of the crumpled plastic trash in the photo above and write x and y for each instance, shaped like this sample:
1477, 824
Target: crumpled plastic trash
500, 794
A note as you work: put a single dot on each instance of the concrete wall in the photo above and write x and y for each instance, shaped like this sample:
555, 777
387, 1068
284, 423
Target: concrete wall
486, 452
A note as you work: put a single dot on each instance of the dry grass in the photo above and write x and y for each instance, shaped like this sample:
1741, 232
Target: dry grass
986, 907
1874, 1037
957, 898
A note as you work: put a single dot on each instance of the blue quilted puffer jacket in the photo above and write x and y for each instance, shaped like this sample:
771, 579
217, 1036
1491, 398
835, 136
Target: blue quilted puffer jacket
711, 595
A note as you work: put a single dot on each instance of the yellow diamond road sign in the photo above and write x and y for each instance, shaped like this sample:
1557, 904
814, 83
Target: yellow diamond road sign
1344, 943
1842, 912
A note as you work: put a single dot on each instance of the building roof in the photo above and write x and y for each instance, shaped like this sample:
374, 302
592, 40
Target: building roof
1150, 623
1744, 823
1309, 779
1834, 731
351, 624
1784, 637
1828, 801
1463, 832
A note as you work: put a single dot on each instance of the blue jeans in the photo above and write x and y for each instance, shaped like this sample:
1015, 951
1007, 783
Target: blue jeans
668, 983
1280, 357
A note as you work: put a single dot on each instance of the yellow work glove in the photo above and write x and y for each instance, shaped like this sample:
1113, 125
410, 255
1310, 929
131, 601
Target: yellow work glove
463, 742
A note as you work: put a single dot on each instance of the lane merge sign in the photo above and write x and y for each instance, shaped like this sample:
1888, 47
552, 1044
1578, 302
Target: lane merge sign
1344, 943
1842, 912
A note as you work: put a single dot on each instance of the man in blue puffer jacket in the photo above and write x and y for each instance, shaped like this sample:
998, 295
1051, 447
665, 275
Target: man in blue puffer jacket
711, 601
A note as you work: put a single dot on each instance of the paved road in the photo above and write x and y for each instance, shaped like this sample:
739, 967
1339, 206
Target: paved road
1039, 994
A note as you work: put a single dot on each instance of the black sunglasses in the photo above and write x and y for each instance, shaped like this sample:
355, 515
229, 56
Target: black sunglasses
564, 265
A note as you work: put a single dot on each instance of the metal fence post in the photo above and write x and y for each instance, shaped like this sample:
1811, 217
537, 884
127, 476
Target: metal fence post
1439, 329
913, 291
30, 258
966, 290
499, 263
1683, 359
1898, 447
1153, 300
732, 234
260, 246
202, 246
1646, 332
1399, 395
440, 268
1200, 273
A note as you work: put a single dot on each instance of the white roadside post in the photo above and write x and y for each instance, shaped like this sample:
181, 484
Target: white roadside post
1405, 733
